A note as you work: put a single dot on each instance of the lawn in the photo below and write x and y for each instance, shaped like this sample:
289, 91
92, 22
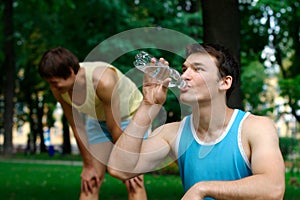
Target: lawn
29, 181
24, 181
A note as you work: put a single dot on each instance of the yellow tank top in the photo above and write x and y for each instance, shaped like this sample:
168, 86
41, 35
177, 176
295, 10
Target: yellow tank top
130, 96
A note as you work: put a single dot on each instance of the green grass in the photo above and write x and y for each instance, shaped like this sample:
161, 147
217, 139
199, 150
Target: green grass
29, 181
38, 181
24, 181
292, 192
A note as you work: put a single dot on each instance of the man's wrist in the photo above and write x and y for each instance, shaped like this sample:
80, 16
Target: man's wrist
146, 113
203, 189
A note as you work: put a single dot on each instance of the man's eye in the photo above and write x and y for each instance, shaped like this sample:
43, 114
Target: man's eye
199, 69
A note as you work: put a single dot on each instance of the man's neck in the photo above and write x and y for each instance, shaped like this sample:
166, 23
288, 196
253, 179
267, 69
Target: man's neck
210, 122
78, 92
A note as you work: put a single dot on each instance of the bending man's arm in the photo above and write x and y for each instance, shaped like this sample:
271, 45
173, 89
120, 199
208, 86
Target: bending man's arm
78, 126
106, 82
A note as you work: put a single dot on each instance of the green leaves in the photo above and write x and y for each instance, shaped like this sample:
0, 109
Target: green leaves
290, 89
252, 82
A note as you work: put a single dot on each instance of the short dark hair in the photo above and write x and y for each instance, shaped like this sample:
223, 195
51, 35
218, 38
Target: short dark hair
225, 61
58, 62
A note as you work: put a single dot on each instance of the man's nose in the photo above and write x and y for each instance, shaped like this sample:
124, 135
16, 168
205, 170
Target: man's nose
185, 75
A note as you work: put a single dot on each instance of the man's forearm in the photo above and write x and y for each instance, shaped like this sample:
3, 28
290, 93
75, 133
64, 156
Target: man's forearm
86, 156
126, 152
253, 187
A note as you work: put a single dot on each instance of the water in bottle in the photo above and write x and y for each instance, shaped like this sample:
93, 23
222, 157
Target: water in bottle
158, 70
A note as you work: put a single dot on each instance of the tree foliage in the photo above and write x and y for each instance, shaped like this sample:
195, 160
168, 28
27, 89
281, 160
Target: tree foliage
271, 36
79, 26
82, 25
253, 77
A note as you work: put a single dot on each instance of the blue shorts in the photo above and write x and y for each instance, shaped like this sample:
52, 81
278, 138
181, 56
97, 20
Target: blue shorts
97, 131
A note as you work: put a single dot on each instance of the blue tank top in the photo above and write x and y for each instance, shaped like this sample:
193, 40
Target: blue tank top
224, 159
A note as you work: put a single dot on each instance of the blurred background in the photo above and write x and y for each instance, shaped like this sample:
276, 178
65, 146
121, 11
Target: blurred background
263, 34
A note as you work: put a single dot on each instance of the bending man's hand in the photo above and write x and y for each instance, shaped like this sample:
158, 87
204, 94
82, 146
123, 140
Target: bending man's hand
89, 180
135, 183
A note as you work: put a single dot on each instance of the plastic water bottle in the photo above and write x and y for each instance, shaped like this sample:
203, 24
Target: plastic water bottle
158, 70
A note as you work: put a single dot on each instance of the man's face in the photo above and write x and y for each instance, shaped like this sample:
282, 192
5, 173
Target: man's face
201, 74
60, 85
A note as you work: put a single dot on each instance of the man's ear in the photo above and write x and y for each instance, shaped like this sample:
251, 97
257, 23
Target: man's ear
72, 71
225, 83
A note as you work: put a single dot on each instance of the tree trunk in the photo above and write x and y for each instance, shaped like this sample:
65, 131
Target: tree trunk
9, 82
40, 113
66, 136
221, 24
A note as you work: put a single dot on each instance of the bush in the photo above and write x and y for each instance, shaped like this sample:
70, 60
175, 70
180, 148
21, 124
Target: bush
171, 169
287, 146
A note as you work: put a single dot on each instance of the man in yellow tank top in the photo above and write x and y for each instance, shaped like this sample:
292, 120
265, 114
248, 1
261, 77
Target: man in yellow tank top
107, 98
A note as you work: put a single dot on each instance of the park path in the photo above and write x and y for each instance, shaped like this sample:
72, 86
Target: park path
46, 162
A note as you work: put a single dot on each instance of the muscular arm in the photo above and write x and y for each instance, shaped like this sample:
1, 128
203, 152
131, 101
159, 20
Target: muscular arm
106, 90
132, 154
77, 124
267, 181
89, 173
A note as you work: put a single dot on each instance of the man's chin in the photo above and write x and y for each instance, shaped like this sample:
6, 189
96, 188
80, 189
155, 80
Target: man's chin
62, 91
185, 101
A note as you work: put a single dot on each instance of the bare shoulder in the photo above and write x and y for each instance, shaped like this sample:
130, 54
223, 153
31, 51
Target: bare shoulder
105, 80
101, 72
259, 128
168, 134
256, 121
172, 127
168, 131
